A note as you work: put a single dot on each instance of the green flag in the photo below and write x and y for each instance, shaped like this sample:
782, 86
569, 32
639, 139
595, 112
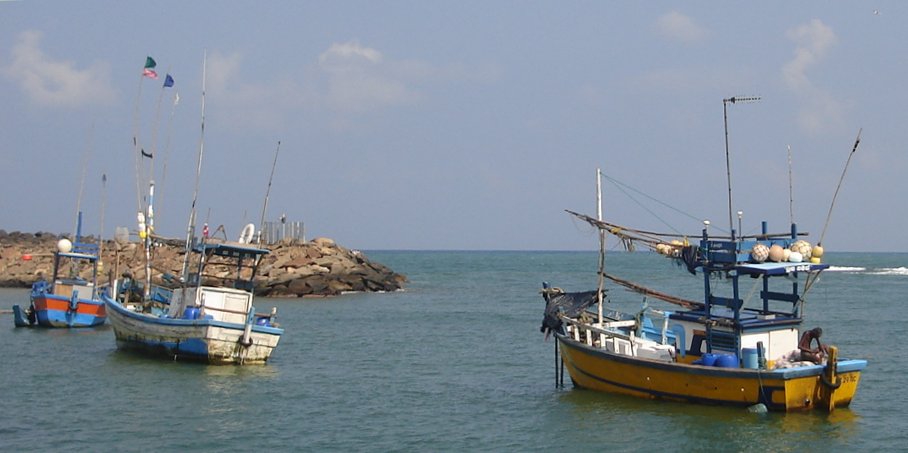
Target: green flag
150, 63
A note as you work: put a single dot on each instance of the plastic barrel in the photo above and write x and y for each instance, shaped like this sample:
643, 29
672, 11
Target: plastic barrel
726, 361
708, 359
191, 313
749, 357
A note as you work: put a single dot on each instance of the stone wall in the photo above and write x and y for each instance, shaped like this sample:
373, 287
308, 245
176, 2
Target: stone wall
316, 268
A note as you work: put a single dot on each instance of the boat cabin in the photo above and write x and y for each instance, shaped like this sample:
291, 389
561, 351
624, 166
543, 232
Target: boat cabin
69, 269
220, 287
748, 306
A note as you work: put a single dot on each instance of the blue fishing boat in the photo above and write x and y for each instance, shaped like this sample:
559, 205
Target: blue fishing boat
71, 298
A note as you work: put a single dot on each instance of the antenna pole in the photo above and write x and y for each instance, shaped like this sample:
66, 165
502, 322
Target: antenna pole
731, 222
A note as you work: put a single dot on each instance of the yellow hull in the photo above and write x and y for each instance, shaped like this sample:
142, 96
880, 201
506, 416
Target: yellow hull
789, 389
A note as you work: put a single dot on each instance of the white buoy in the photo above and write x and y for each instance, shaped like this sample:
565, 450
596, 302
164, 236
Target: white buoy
64, 246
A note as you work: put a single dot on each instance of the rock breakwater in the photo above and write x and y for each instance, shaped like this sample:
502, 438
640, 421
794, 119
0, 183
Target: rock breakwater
319, 267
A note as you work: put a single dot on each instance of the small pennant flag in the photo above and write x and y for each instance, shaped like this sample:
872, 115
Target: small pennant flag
149, 73
168, 81
150, 63
148, 155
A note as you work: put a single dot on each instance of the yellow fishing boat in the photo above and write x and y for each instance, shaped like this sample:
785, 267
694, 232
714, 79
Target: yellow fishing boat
742, 345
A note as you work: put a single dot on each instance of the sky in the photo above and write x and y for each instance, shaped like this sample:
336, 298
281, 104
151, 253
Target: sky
471, 125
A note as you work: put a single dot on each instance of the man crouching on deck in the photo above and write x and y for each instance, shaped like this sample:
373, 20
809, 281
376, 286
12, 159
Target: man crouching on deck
808, 353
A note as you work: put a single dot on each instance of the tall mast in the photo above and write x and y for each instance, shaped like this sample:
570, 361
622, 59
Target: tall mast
190, 229
791, 216
148, 230
601, 242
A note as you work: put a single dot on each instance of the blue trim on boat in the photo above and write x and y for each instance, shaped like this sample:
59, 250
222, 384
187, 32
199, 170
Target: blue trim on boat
186, 322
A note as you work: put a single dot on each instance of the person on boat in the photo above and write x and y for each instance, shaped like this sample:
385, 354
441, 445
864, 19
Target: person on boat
808, 353
129, 289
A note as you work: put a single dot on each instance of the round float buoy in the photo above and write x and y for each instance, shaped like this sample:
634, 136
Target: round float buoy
26, 257
795, 257
776, 254
759, 253
814, 260
64, 246
786, 254
802, 247
817, 251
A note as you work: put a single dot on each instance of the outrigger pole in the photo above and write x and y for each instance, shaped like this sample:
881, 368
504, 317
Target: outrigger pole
267, 193
857, 141
809, 283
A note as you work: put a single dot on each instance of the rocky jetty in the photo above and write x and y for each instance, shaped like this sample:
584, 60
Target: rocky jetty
316, 268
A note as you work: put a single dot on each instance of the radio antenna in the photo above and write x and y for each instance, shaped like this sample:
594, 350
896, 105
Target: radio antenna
725, 102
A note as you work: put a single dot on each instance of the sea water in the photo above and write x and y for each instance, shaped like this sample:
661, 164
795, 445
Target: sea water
454, 363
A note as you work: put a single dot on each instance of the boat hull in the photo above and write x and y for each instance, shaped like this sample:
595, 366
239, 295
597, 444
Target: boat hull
57, 311
792, 389
204, 340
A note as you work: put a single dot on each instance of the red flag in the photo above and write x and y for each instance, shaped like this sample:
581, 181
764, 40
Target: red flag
148, 72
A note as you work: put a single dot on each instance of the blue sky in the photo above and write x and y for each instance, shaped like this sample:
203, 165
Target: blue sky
457, 125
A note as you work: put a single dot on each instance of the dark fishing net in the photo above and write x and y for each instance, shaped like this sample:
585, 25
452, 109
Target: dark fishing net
559, 303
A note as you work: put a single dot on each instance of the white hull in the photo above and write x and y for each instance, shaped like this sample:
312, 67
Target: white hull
207, 340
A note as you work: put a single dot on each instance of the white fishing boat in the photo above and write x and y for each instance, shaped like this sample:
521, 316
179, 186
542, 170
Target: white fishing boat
208, 319
208, 315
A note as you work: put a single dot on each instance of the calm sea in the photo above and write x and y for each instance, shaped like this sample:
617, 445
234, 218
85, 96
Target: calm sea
454, 363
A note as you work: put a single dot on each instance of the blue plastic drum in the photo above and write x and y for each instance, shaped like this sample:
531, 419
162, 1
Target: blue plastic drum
726, 361
749, 358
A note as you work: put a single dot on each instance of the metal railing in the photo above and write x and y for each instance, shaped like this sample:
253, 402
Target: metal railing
278, 232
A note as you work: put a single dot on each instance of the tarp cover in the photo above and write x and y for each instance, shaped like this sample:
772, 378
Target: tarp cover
567, 304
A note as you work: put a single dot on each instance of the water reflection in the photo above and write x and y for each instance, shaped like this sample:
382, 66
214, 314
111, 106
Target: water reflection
689, 426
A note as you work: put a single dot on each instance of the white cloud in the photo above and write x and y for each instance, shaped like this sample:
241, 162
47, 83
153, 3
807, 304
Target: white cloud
346, 55
220, 70
53, 82
819, 109
813, 40
677, 26
359, 80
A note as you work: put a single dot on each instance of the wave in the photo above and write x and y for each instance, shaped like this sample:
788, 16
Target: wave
846, 269
890, 271
863, 270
